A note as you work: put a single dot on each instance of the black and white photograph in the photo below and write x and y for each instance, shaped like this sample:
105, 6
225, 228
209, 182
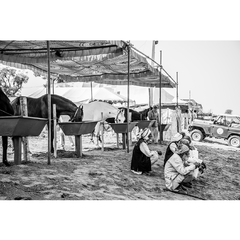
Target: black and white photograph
120, 126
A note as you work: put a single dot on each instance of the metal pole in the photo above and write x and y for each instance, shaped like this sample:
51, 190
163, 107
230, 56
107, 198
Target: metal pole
49, 105
152, 63
55, 130
128, 99
177, 89
53, 86
91, 92
160, 98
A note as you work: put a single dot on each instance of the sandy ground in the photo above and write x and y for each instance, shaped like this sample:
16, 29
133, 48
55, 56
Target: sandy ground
106, 175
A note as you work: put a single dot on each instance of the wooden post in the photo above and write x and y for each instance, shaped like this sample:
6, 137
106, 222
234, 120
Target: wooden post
17, 150
78, 145
102, 131
55, 130
117, 140
25, 143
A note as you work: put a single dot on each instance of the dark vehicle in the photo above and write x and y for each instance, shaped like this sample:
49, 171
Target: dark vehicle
224, 126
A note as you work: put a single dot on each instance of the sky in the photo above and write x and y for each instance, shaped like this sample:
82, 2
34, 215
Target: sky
208, 71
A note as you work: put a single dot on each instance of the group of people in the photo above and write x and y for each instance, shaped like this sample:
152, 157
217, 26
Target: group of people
181, 162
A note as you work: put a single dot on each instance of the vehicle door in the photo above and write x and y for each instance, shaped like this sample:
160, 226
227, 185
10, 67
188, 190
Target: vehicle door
220, 128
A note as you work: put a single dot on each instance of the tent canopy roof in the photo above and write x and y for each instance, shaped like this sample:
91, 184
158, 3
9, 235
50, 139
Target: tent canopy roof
100, 61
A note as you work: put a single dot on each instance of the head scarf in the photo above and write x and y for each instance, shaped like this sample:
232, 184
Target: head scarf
184, 149
177, 137
188, 138
185, 141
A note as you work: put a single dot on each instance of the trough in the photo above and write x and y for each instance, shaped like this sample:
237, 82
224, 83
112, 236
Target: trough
21, 126
77, 128
143, 124
122, 127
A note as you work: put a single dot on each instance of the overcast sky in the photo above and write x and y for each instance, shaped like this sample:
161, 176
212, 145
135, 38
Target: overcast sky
210, 70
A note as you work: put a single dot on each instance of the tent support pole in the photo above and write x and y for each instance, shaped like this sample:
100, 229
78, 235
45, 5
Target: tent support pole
128, 99
177, 88
91, 92
49, 105
160, 99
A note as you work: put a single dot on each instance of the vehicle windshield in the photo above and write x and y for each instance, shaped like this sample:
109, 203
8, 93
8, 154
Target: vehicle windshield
233, 120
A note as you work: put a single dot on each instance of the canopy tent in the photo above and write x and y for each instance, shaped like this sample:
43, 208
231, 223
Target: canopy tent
109, 62
73, 61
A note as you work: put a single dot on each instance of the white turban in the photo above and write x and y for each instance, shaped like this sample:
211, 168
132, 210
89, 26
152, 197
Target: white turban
146, 132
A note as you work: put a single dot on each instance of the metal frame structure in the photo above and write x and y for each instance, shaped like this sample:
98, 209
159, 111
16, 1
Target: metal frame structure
14, 57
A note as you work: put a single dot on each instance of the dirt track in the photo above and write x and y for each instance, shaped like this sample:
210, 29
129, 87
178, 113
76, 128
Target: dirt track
105, 175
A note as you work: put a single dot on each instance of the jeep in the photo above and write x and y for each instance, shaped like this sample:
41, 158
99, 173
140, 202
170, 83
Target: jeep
224, 126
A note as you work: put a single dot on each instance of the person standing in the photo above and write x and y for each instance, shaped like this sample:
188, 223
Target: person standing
154, 116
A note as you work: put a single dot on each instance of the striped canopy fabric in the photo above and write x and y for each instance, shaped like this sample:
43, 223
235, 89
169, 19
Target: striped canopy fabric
100, 61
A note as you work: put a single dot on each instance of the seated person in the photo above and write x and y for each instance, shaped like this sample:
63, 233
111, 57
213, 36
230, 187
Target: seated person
142, 157
193, 156
176, 174
186, 139
173, 147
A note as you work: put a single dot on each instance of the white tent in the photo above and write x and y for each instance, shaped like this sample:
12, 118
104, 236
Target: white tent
77, 94
33, 92
141, 94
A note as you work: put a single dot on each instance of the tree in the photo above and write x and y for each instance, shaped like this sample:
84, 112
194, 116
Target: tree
11, 80
228, 111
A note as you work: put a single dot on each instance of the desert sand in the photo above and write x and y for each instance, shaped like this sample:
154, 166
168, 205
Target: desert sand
106, 175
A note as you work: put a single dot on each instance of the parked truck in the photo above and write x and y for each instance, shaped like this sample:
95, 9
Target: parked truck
224, 126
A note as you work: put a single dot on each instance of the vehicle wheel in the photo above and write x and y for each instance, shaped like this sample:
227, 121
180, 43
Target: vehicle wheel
234, 141
197, 135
